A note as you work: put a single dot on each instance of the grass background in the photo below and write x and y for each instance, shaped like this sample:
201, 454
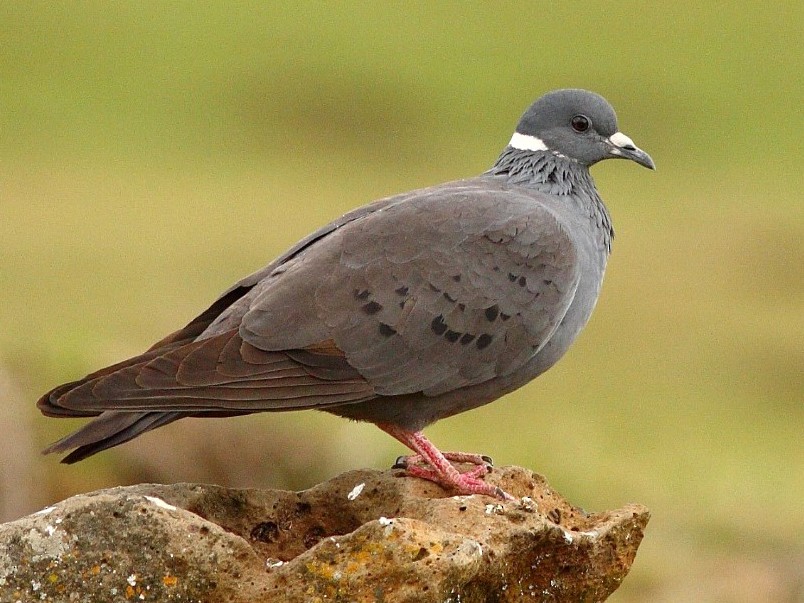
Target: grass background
152, 153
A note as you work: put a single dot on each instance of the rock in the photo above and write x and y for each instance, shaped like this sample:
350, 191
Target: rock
363, 536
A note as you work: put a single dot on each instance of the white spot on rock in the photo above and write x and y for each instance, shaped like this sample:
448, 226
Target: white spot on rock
389, 526
493, 509
132, 580
45, 511
356, 491
160, 503
271, 563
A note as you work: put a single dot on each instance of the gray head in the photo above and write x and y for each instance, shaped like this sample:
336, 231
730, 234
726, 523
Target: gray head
577, 124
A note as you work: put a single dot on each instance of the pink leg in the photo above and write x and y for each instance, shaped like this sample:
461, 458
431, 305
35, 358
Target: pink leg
441, 471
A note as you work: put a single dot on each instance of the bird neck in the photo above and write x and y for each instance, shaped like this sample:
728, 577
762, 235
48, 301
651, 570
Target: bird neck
554, 174
547, 171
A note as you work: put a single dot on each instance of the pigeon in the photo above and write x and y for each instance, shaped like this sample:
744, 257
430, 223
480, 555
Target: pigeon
405, 311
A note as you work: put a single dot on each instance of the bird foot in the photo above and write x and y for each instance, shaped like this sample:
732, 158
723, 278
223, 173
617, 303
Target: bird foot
405, 461
469, 479
468, 482
438, 468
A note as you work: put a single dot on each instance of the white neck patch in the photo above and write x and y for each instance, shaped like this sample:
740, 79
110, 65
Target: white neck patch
523, 142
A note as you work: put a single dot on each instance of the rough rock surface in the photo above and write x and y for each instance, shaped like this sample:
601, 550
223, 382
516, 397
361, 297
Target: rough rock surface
363, 536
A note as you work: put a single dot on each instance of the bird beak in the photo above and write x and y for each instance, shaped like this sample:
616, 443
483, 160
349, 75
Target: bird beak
622, 146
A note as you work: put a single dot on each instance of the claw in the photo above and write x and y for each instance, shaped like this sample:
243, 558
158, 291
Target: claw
500, 493
401, 462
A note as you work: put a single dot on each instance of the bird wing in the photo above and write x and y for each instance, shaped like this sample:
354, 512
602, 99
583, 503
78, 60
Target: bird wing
442, 289
426, 293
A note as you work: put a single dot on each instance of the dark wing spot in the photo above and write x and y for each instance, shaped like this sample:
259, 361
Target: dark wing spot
547, 282
362, 294
452, 336
522, 281
461, 307
511, 277
386, 330
504, 316
456, 278
449, 298
467, 339
434, 289
492, 312
483, 341
438, 325
372, 308
403, 290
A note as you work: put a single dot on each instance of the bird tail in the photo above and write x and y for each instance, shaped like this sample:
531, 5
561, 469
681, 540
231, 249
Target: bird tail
109, 429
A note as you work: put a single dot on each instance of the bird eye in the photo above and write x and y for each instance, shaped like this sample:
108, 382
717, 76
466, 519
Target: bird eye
580, 123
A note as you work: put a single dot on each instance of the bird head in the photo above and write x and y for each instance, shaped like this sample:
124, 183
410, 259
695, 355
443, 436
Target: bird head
576, 124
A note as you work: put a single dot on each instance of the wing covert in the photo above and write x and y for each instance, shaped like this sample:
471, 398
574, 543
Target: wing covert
447, 289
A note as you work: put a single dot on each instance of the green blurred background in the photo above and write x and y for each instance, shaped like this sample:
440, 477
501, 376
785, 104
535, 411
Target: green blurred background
152, 153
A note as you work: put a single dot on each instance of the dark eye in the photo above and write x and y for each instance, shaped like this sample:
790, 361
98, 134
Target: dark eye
580, 123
